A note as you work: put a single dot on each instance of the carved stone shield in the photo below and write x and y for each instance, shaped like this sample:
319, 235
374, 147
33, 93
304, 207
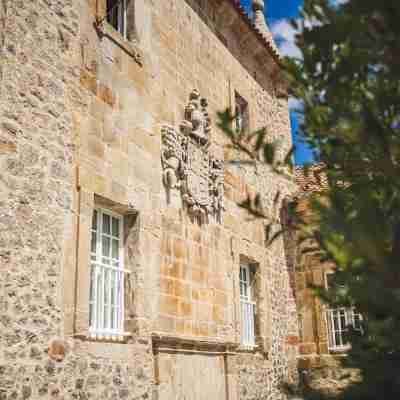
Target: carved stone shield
188, 164
198, 174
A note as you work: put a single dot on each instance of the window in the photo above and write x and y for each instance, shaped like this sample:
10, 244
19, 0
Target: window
106, 299
241, 114
340, 320
247, 306
117, 15
333, 279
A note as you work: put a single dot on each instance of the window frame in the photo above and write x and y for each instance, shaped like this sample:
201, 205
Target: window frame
336, 332
350, 316
121, 23
97, 329
247, 302
326, 280
242, 114
129, 40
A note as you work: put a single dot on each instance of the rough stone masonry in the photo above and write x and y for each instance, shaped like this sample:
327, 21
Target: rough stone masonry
84, 100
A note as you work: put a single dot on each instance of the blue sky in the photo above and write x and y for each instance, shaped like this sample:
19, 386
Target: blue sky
277, 13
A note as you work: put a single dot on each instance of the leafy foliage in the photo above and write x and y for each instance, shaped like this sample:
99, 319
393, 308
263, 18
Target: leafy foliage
348, 81
254, 148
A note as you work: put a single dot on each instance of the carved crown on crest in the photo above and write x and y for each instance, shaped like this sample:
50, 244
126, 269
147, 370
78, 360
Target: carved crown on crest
197, 122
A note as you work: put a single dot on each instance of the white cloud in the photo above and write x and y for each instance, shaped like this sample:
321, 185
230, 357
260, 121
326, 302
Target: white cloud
284, 35
282, 29
290, 49
295, 104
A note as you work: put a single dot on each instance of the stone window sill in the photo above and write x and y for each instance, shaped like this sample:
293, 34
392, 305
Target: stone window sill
106, 338
340, 351
252, 350
198, 341
248, 349
105, 29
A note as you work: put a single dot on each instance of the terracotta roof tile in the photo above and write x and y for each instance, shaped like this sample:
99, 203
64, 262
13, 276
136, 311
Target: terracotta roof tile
314, 181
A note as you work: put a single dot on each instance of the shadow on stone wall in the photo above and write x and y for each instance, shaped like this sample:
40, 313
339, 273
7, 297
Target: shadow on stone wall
326, 378
289, 244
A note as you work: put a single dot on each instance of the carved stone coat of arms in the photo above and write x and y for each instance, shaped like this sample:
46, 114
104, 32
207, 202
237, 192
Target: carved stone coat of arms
188, 164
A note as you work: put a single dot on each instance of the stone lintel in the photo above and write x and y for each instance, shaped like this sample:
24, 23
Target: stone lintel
122, 209
190, 344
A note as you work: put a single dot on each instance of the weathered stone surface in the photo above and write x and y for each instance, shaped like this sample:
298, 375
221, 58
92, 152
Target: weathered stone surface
57, 349
188, 165
80, 127
319, 363
326, 374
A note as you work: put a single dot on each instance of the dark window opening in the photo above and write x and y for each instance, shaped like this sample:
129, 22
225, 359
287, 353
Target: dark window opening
117, 15
242, 116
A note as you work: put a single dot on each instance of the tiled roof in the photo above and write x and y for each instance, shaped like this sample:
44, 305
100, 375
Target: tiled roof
314, 181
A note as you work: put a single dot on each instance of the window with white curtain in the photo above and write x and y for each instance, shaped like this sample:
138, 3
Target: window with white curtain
247, 306
106, 299
117, 15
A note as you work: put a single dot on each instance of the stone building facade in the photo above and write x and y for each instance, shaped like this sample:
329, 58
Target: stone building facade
310, 271
122, 245
322, 345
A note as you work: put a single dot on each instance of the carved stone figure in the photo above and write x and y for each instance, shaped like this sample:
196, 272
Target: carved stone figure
197, 123
188, 164
171, 157
218, 187
196, 191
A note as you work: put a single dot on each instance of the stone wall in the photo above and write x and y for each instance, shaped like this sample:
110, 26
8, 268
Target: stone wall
81, 115
199, 374
322, 370
3, 12
325, 375
309, 272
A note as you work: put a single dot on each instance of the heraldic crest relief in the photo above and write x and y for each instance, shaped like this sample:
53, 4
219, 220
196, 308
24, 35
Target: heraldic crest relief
188, 165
